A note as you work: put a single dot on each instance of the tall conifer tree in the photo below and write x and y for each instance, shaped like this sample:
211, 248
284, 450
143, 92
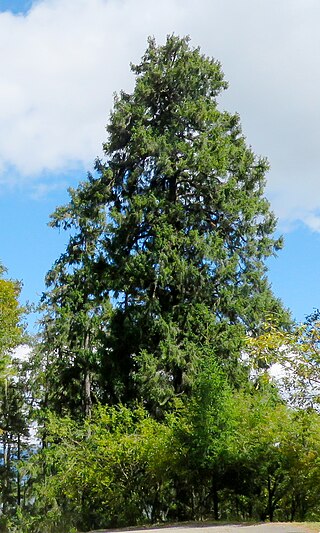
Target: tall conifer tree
173, 230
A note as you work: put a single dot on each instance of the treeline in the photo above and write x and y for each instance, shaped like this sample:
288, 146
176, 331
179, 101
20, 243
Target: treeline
148, 388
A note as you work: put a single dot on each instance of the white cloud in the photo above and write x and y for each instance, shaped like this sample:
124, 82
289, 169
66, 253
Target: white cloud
22, 352
61, 63
40, 190
60, 66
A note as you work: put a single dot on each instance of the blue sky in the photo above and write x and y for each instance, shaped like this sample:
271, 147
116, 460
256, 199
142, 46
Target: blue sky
15, 6
62, 60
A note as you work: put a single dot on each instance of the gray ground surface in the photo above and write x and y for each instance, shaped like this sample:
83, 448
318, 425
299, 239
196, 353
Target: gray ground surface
259, 528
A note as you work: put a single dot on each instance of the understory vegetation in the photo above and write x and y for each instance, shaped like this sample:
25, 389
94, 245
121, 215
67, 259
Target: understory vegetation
148, 396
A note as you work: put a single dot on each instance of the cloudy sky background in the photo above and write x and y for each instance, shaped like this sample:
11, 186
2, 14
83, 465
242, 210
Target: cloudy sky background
62, 60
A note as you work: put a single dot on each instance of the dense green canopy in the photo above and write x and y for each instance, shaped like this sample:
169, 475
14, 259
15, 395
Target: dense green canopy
173, 230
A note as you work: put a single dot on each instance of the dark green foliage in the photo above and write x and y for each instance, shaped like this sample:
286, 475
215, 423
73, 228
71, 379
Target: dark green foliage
173, 230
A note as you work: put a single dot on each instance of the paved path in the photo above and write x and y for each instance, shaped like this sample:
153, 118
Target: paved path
259, 528
275, 527
239, 528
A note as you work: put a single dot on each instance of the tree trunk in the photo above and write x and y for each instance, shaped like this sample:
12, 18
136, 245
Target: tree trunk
87, 394
215, 504
87, 380
18, 472
271, 492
